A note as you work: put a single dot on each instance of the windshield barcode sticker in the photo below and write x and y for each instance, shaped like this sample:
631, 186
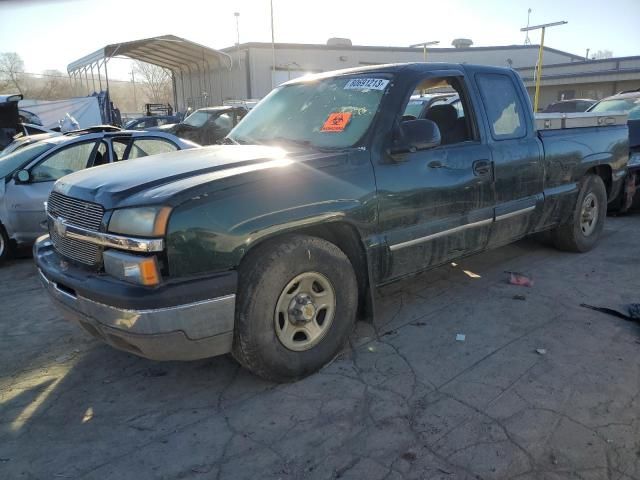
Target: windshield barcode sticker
366, 84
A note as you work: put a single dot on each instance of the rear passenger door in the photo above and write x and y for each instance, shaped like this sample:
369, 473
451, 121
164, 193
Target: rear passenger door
517, 157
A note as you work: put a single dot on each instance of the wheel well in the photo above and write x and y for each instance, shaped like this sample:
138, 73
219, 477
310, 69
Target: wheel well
347, 239
604, 172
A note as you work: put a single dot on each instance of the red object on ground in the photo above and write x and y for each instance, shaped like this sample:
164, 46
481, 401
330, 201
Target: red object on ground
520, 279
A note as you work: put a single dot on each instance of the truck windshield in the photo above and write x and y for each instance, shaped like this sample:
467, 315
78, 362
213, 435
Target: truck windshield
327, 113
626, 105
18, 159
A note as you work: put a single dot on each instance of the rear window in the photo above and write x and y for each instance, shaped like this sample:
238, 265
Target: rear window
503, 106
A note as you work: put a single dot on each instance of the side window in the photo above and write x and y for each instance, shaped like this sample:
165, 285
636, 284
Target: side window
63, 162
161, 121
451, 119
102, 155
240, 114
119, 146
505, 111
143, 147
224, 122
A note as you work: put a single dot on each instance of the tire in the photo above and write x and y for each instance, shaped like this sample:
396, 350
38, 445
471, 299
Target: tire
579, 234
272, 341
5, 245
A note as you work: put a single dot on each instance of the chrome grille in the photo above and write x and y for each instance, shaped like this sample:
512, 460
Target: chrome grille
83, 252
76, 212
79, 213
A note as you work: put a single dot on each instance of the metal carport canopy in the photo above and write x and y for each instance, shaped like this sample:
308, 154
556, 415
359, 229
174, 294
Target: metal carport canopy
167, 51
176, 54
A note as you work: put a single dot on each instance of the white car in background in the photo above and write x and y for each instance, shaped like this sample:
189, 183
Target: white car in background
28, 173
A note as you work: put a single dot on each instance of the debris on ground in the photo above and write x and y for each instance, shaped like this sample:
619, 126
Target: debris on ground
541, 351
460, 337
519, 279
419, 324
519, 297
409, 456
633, 310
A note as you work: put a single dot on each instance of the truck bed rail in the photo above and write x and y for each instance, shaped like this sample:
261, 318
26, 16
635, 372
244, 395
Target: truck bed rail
558, 121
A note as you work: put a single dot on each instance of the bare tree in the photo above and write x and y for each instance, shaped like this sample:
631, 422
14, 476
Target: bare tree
601, 54
54, 85
11, 71
156, 82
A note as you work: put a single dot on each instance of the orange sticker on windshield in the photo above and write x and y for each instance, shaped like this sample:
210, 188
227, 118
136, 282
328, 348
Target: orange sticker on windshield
336, 122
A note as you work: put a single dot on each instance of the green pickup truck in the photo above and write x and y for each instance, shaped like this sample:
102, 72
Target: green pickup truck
270, 245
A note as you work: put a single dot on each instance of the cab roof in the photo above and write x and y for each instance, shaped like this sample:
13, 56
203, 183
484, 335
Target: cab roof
394, 68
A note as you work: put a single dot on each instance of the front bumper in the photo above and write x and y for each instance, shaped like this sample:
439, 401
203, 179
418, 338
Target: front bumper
197, 328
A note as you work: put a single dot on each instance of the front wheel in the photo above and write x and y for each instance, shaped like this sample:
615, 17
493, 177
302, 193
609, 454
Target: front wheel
296, 306
582, 232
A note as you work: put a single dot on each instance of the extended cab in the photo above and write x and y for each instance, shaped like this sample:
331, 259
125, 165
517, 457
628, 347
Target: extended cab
267, 246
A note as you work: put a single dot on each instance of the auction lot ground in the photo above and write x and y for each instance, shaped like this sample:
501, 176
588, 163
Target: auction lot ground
405, 400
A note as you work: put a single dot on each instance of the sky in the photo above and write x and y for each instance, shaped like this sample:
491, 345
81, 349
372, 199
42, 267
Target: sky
49, 34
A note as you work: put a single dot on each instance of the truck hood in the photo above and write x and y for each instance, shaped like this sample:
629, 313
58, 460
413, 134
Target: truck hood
167, 178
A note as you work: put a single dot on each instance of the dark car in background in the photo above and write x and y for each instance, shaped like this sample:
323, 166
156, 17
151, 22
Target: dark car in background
153, 121
574, 105
207, 126
629, 103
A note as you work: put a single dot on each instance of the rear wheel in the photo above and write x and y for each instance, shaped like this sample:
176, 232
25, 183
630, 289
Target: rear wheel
296, 307
5, 245
583, 230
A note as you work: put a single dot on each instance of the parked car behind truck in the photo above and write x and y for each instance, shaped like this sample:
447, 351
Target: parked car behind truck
629, 103
267, 247
207, 126
27, 175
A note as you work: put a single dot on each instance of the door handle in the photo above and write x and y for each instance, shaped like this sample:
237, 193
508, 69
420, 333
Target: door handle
435, 164
481, 167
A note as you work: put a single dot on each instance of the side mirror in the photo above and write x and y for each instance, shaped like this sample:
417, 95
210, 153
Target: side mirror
414, 135
23, 176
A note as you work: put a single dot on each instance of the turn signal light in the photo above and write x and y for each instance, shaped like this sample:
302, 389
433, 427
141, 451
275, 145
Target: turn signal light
132, 268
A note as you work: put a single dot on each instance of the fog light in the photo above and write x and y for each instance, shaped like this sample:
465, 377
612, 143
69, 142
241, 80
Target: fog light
132, 268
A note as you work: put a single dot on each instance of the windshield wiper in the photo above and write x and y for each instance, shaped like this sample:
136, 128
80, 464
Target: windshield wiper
239, 141
299, 143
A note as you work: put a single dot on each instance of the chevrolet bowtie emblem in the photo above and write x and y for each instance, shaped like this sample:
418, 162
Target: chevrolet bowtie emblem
60, 226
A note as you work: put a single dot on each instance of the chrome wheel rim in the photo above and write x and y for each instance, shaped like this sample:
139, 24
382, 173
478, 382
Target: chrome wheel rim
589, 214
305, 311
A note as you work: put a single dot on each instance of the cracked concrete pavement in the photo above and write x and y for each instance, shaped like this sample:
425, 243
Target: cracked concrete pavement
404, 401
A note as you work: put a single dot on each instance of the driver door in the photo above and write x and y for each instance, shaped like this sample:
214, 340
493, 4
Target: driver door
437, 204
25, 201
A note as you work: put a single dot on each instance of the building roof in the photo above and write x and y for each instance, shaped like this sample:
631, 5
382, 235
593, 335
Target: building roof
321, 46
168, 51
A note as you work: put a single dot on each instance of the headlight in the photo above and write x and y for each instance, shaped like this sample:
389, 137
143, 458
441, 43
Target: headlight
140, 222
634, 159
132, 268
